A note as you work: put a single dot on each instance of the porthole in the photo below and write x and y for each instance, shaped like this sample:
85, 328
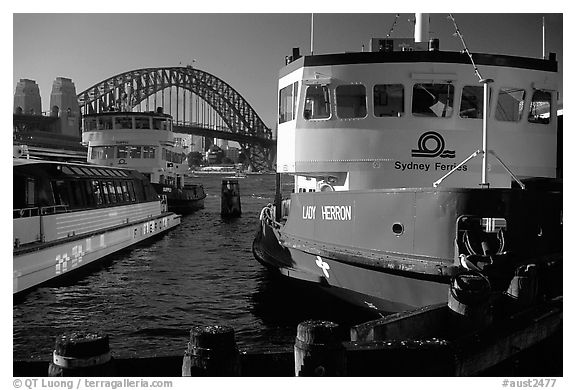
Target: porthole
397, 228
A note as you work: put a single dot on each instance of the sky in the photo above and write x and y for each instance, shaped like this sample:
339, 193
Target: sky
244, 49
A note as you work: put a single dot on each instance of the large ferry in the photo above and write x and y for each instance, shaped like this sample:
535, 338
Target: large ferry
403, 178
144, 141
68, 215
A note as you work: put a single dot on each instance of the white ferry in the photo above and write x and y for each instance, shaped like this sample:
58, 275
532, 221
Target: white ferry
69, 215
144, 141
401, 181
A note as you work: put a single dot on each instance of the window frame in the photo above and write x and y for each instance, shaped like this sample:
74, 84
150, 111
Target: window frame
352, 98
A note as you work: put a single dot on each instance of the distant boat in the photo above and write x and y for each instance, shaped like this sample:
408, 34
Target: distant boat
68, 215
144, 141
389, 201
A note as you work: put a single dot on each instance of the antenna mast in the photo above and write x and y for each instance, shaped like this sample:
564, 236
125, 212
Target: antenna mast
312, 35
543, 37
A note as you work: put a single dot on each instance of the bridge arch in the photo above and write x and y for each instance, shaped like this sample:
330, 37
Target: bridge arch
127, 90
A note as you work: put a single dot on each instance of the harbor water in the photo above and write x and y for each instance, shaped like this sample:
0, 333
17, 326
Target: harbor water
147, 298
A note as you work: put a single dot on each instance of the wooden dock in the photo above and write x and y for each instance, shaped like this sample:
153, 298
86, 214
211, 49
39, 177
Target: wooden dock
430, 341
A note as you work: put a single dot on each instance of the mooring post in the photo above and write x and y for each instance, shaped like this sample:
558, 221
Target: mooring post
81, 354
469, 297
230, 198
212, 351
318, 350
523, 287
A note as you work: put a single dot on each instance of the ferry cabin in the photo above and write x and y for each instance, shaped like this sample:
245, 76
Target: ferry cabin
142, 141
404, 119
47, 190
66, 215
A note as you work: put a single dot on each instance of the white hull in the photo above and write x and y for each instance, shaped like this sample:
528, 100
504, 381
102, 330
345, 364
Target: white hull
55, 259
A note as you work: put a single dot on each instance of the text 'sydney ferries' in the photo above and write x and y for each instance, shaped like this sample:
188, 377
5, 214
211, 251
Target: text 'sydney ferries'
430, 145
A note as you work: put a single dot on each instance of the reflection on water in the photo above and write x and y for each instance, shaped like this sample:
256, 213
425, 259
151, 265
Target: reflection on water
201, 273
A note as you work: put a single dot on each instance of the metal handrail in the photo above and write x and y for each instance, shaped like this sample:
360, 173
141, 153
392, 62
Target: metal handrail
26, 212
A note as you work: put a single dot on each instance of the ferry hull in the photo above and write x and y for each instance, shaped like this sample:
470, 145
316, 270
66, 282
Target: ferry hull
182, 201
33, 267
363, 287
362, 260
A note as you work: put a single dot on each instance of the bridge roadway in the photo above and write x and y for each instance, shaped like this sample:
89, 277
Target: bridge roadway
178, 127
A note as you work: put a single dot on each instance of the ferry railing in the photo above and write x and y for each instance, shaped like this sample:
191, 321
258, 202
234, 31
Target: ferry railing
26, 212
476, 153
60, 208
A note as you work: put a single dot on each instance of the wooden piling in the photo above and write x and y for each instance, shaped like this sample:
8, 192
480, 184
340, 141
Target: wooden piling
230, 206
212, 351
469, 298
524, 285
81, 354
318, 350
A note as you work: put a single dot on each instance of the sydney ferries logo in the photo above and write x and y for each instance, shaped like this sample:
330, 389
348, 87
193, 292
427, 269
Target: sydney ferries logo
431, 144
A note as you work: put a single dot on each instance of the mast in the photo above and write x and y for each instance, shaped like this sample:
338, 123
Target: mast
312, 35
422, 28
543, 37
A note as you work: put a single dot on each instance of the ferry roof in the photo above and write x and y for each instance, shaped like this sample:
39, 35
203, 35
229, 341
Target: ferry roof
128, 113
549, 65
24, 162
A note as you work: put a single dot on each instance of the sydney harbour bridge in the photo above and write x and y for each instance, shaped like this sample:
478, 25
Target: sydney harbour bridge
199, 102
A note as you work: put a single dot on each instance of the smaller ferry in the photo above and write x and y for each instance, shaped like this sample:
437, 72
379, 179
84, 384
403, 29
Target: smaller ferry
144, 141
68, 215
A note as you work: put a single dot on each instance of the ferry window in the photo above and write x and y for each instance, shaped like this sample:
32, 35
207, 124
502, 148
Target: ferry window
95, 152
540, 107
287, 103
472, 104
111, 192
109, 152
510, 104
77, 193
101, 172
97, 192
76, 170
163, 153
131, 191
433, 100
142, 122
90, 124
317, 104
135, 152
89, 195
30, 194
389, 100
23, 192
122, 151
119, 193
67, 170
105, 196
60, 190
148, 152
105, 123
102, 152
351, 101
125, 191
123, 122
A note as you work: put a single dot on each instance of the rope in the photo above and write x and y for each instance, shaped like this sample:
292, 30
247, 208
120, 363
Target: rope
465, 47
393, 25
